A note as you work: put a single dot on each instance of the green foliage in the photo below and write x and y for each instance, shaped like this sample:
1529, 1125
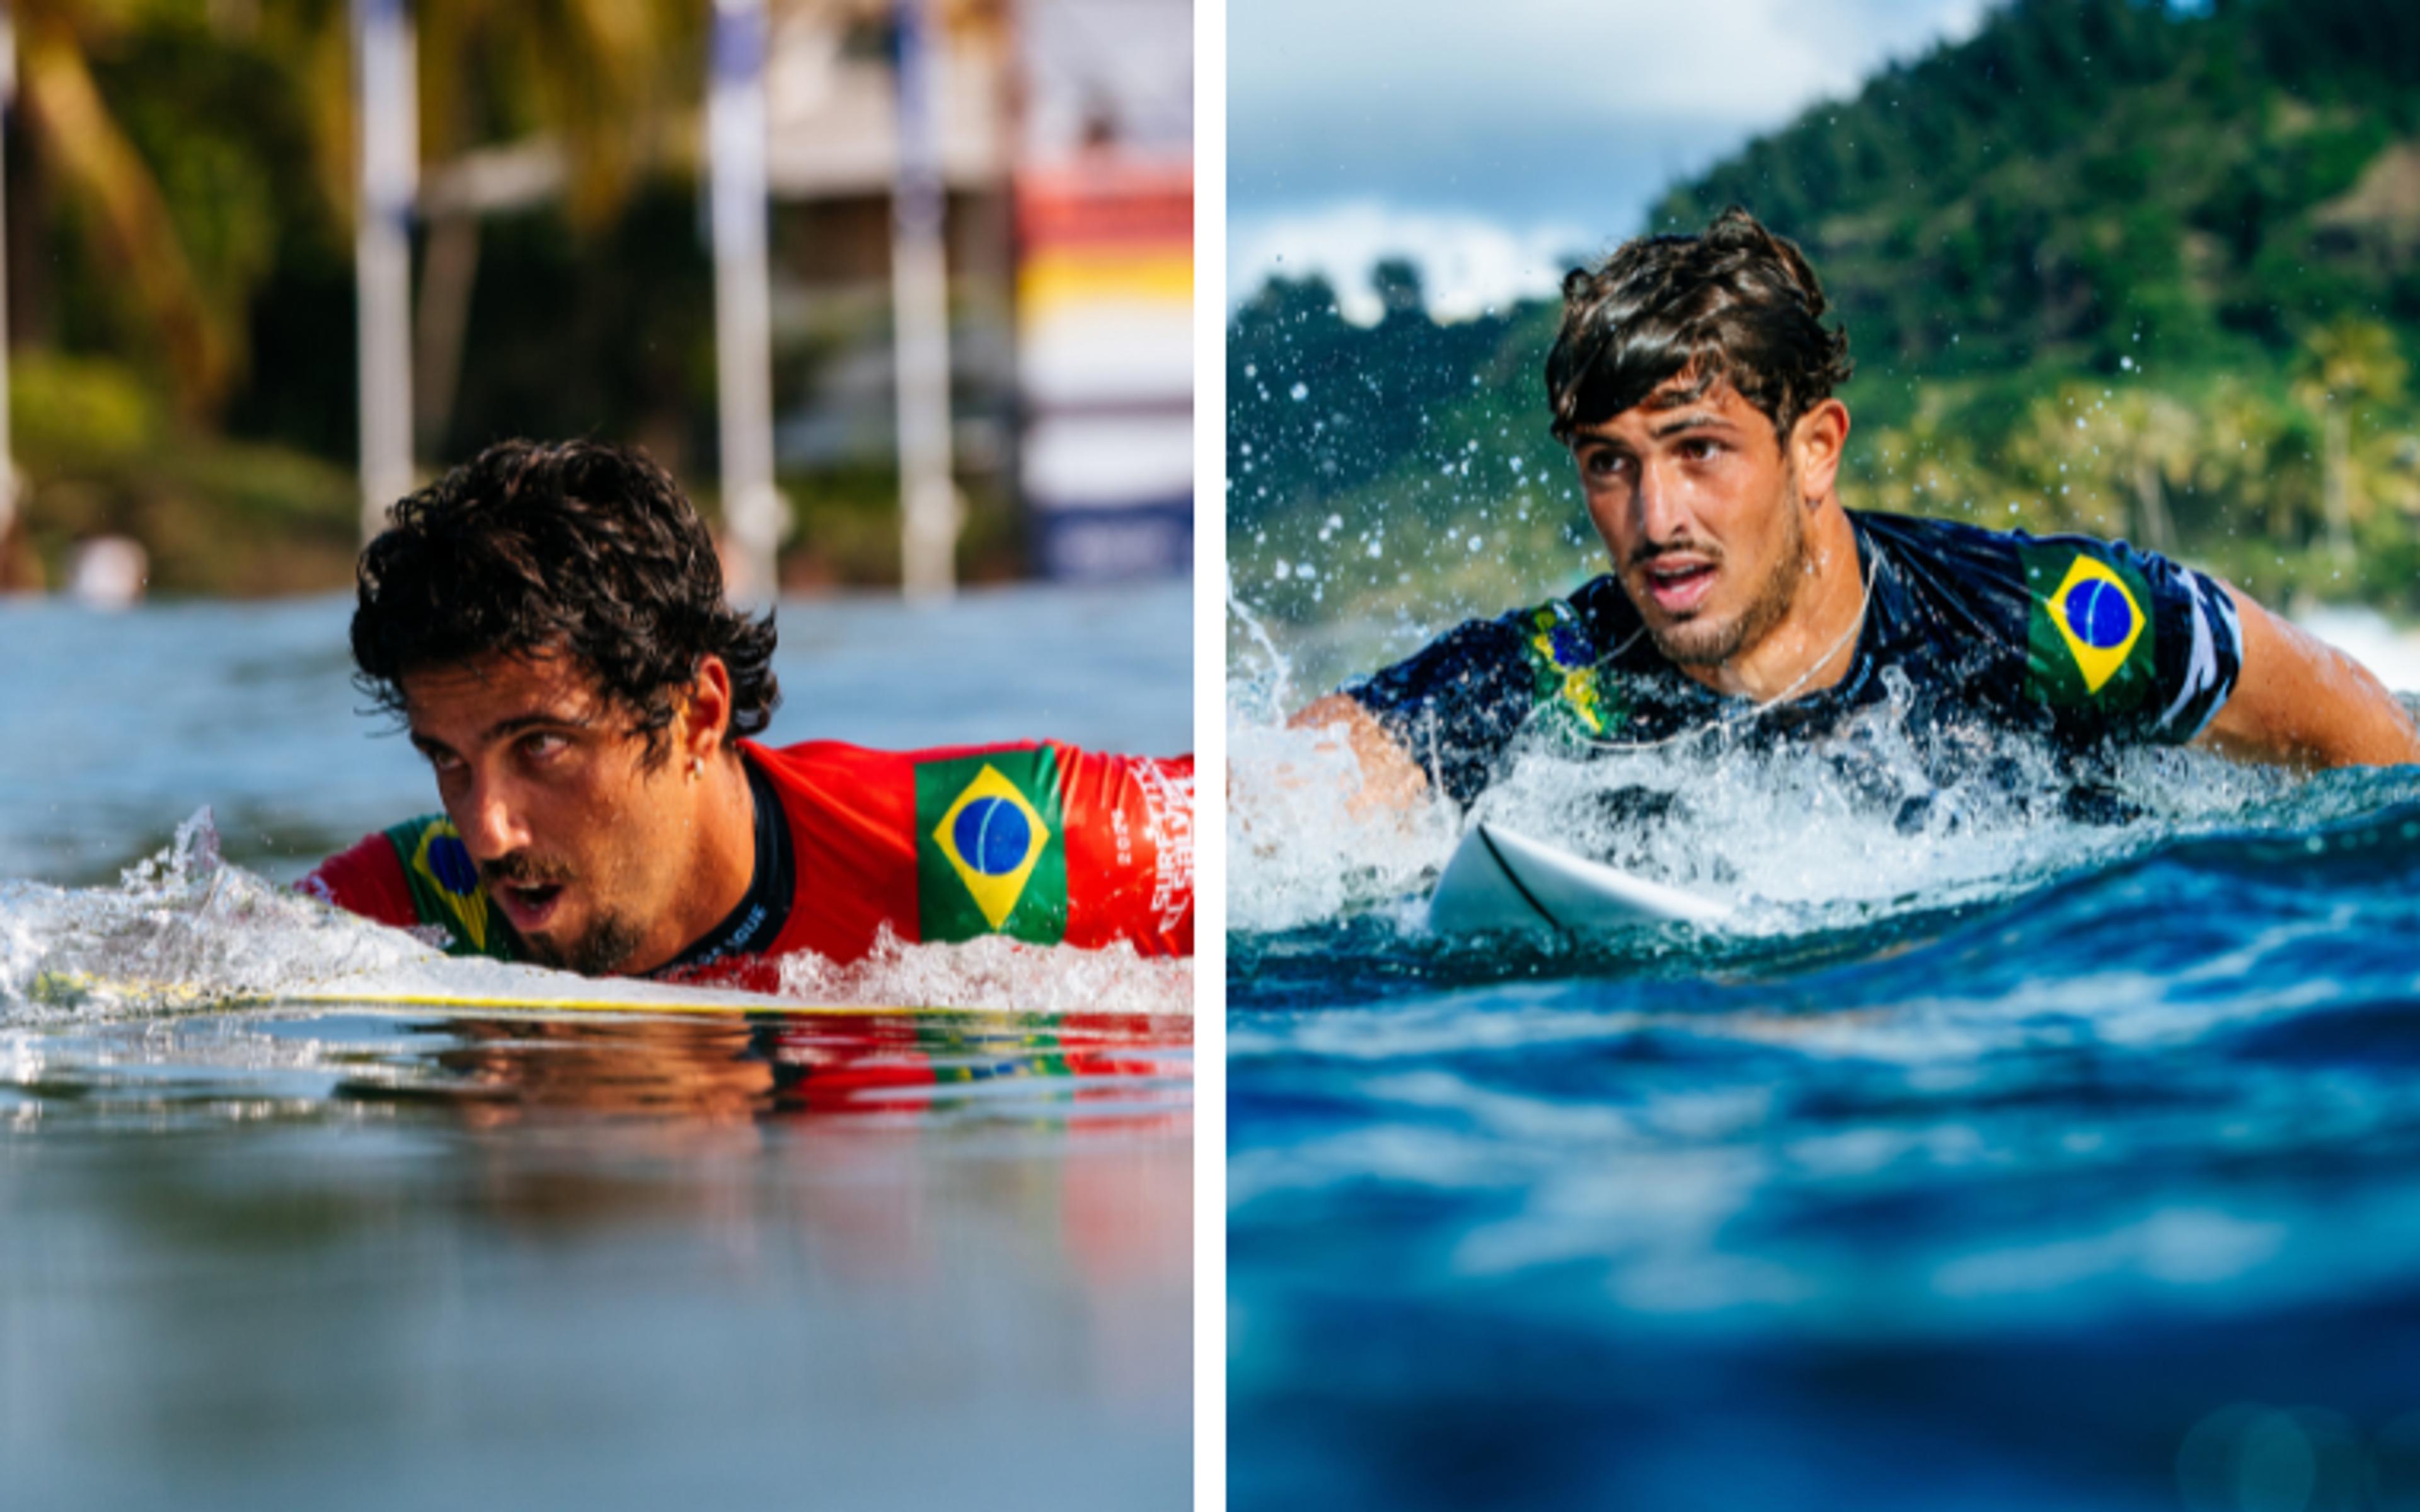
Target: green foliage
2089, 260
66, 412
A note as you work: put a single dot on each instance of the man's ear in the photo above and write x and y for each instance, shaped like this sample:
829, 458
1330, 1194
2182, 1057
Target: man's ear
1816, 443
705, 711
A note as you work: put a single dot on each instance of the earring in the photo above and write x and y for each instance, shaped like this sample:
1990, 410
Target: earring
696, 765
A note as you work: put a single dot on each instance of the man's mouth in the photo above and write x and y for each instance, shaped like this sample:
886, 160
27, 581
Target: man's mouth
527, 890
1677, 584
529, 906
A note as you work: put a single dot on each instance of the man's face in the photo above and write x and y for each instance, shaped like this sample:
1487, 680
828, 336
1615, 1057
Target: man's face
1702, 510
580, 844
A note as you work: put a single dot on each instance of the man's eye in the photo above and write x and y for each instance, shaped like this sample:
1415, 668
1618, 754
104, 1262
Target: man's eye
1606, 464
540, 746
1698, 449
442, 761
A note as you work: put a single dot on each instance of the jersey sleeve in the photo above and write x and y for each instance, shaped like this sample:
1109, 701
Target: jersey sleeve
415, 875
1043, 843
1129, 851
1456, 703
366, 879
2126, 644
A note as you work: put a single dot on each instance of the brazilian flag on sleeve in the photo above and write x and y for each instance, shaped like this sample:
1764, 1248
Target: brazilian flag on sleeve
445, 889
2088, 635
991, 851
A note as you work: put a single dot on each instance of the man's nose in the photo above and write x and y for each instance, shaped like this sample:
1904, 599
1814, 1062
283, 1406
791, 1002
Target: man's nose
1660, 503
490, 819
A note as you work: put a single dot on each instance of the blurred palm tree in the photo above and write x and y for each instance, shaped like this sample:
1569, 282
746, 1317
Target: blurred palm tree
590, 92
79, 140
2342, 363
519, 100
2151, 442
2054, 455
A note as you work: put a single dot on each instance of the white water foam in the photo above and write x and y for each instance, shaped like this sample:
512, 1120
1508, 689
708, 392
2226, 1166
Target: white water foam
1794, 836
186, 930
994, 972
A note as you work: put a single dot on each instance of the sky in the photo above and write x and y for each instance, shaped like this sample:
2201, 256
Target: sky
1494, 141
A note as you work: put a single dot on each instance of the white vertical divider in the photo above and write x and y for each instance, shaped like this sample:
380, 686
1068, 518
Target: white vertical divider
1210, 753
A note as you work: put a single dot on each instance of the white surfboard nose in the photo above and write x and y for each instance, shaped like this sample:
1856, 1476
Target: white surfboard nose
1498, 880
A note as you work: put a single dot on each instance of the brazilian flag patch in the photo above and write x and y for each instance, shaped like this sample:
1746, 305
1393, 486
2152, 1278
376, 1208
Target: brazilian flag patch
2089, 637
445, 889
991, 852
1564, 673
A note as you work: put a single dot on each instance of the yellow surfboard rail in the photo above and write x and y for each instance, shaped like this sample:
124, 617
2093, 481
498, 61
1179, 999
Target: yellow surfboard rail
68, 989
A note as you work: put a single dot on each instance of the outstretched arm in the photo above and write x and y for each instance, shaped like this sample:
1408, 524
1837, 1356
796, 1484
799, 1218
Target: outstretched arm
2305, 703
1389, 778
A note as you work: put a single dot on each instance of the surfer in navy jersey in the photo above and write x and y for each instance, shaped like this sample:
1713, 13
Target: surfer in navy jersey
1692, 380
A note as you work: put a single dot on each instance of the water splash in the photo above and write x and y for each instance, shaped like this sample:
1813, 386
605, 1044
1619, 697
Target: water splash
1798, 838
995, 972
182, 931
185, 931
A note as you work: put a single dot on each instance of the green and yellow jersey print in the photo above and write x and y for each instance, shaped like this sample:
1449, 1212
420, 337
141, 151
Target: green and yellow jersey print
2087, 640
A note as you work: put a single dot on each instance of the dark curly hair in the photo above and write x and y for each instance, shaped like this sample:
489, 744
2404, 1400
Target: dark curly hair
574, 546
1737, 304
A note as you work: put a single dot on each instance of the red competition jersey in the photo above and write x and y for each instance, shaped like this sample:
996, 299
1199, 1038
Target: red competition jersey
1036, 840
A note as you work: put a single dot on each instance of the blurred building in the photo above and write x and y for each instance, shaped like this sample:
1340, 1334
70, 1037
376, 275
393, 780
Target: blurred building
1064, 138
1104, 284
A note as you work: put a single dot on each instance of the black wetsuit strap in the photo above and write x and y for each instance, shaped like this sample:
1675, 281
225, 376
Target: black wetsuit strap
756, 922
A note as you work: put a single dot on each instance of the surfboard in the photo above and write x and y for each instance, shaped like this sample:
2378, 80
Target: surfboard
1498, 880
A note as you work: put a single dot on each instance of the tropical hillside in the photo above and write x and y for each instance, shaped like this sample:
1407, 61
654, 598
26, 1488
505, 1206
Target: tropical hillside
2107, 264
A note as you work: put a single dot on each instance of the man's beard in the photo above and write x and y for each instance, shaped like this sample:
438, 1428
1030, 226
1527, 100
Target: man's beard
1711, 643
602, 947
599, 951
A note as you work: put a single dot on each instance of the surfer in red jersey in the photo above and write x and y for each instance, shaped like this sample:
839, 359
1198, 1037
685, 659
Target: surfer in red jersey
549, 623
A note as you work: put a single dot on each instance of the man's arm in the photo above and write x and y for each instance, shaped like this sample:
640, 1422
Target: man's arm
1389, 778
2305, 703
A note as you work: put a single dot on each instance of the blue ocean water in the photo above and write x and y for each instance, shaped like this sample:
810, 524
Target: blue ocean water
2022, 1161
263, 1255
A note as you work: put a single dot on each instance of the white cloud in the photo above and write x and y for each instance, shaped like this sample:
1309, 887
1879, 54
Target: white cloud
1489, 140
1710, 59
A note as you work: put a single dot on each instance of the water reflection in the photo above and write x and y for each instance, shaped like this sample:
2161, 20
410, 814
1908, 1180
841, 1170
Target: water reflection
613, 1260
1089, 1071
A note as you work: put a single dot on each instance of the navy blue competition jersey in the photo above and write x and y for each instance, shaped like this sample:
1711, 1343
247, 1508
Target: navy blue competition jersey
2087, 643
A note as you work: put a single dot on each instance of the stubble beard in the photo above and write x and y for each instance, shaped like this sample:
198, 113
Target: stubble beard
609, 941
601, 950
1711, 643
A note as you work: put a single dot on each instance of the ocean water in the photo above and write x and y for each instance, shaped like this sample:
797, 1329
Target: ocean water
268, 1252
2015, 1157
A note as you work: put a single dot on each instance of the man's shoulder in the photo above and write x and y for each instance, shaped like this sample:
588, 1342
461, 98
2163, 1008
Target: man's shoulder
414, 873
824, 762
1964, 543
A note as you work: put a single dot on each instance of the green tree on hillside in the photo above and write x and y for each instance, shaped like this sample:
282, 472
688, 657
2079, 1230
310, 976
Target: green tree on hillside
2344, 363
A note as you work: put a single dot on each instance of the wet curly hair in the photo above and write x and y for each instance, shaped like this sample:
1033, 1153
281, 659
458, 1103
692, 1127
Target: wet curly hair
1738, 304
578, 547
